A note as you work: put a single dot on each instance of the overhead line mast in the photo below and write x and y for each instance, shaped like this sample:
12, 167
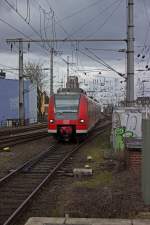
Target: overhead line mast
21, 85
130, 53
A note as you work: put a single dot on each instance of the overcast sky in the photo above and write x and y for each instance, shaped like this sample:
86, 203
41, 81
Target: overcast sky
73, 19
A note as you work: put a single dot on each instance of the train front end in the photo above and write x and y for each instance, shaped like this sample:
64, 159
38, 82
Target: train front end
67, 116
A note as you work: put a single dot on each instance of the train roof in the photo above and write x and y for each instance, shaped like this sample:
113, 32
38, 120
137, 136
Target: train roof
73, 91
70, 91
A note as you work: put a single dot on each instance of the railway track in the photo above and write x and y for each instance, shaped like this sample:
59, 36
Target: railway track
19, 187
16, 130
13, 139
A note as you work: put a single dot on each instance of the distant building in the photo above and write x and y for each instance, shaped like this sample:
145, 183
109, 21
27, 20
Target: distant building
72, 82
143, 100
107, 90
9, 101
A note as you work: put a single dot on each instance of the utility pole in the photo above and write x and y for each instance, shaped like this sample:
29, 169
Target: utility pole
21, 84
51, 70
130, 52
67, 68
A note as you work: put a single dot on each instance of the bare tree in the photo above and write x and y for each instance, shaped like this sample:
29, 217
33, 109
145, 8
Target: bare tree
35, 74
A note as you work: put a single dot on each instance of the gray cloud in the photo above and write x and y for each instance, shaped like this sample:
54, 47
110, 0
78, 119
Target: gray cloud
114, 26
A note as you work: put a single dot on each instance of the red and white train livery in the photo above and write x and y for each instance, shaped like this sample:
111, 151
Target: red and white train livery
72, 114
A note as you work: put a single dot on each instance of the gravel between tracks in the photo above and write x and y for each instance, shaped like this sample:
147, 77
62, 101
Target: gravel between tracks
21, 153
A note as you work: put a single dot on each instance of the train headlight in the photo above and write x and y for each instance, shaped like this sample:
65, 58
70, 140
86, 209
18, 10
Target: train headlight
81, 121
51, 121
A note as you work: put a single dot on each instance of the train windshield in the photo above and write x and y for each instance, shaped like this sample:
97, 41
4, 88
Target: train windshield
66, 103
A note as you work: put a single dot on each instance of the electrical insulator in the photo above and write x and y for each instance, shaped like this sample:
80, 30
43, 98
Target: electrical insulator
28, 46
11, 46
138, 55
146, 66
143, 56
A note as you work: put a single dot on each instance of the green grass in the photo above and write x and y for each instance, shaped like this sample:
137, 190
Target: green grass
97, 147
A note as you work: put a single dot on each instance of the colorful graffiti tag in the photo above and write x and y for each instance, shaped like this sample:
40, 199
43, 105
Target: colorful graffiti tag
120, 134
126, 122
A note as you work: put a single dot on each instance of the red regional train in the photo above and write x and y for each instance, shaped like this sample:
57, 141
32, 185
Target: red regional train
72, 114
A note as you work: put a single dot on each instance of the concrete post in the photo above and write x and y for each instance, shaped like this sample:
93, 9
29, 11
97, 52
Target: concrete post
146, 161
67, 68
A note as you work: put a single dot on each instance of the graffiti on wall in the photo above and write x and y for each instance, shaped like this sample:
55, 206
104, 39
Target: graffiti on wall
126, 123
120, 134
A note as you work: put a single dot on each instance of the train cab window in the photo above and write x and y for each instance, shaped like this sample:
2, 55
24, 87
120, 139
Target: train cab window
66, 106
67, 103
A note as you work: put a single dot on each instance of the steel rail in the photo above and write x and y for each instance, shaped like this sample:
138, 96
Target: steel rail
6, 141
16, 130
29, 162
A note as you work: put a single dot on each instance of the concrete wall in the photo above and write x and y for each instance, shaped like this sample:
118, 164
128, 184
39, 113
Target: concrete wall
9, 99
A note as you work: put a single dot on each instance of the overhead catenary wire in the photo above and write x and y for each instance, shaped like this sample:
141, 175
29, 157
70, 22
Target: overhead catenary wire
44, 13
16, 29
145, 48
47, 17
22, 17
109, 16
93, 33
91, 57
102, 63
92, 19
28, 12
80, 10
107, 50
148, 19
70, 35
107, 65
58, 23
